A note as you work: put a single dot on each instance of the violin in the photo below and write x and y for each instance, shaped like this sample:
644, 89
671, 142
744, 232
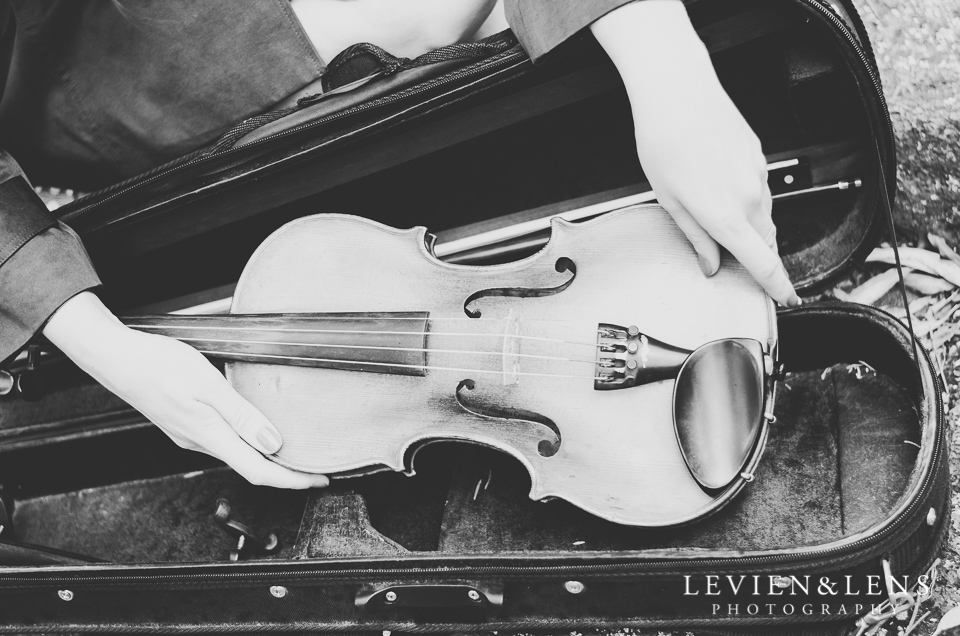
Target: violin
626, 382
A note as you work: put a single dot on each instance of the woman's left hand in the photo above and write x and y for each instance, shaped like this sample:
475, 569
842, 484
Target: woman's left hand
702, 159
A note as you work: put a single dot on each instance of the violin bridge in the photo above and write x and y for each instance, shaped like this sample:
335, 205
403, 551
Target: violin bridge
511, 350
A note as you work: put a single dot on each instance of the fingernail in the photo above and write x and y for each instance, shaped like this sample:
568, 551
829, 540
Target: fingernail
270, 440
796, 301
705, 266
322, 483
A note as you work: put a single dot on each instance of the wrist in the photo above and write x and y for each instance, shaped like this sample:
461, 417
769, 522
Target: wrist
651, 41
82, 327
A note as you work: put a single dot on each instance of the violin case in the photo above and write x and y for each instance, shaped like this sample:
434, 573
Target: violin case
108, 526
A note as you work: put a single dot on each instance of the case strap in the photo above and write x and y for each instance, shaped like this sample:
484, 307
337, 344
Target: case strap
891, 228
362, 62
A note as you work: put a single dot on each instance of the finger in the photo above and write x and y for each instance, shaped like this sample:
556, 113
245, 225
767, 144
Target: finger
708, 252
244, 418
770, 238
762, 220
753, 253
260, 471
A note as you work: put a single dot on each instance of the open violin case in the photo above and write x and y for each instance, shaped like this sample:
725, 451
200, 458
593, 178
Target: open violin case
108, 526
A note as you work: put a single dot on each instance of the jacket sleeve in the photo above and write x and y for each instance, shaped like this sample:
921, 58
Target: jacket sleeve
42, 262
541, 25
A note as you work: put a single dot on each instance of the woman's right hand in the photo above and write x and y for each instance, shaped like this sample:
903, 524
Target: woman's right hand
176, 388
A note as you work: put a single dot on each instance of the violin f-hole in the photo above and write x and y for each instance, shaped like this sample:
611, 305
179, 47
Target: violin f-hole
502, 415
563, 265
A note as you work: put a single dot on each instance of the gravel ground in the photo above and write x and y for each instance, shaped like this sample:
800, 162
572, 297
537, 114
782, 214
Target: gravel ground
918, 49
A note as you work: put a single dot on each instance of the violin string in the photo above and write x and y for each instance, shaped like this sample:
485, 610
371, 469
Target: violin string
361, 331
308, 316
403, 366
416, 349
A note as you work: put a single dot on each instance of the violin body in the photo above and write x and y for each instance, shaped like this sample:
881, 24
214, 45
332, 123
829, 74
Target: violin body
504, 356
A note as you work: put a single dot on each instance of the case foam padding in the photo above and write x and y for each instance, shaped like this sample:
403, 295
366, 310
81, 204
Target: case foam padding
337, 525
169, 519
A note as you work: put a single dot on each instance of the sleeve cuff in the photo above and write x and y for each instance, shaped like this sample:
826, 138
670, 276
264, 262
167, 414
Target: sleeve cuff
43, 274
542, 25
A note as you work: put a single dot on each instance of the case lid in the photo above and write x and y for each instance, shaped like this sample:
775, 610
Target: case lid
470, 140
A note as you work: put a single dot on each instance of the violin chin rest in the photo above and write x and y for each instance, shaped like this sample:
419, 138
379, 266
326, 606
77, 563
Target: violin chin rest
718, 409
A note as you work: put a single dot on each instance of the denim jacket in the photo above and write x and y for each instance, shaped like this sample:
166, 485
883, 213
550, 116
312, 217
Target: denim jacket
96, 91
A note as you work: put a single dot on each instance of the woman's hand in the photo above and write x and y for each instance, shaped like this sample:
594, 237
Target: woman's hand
702, 159
175, 387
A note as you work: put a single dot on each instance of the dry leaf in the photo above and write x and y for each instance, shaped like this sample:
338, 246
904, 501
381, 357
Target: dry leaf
924, 327
945, 250
943, 335
926, 284
950, 620
946, 303
872, 290
922, 260
917, 305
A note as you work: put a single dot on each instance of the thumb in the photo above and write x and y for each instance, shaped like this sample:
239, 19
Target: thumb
708, 252
249, 423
